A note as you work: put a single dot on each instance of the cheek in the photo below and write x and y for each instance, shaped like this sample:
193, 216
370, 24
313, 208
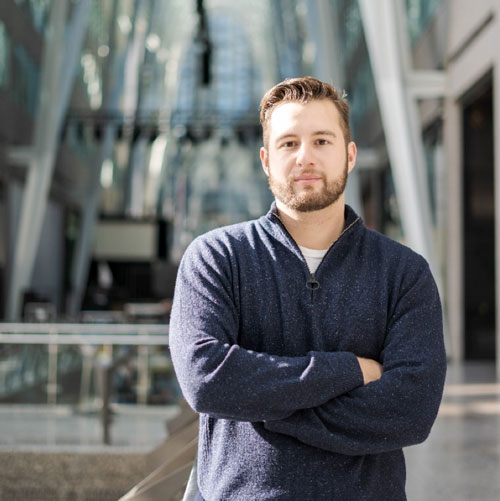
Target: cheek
281, 161
279, 171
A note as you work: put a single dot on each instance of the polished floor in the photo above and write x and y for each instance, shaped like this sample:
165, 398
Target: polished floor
460, 461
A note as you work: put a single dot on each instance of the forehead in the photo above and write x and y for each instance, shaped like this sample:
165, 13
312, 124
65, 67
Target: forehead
298, 118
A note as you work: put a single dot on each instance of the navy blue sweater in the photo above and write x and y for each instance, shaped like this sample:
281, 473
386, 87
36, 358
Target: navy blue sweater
267, 355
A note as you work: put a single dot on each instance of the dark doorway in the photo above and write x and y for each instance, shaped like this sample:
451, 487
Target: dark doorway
479, 224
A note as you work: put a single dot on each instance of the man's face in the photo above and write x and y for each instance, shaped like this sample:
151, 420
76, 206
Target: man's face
307, 160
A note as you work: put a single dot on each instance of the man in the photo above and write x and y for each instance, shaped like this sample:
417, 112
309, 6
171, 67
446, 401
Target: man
311, 346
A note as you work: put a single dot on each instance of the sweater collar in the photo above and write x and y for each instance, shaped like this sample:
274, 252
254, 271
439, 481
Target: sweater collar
273, 225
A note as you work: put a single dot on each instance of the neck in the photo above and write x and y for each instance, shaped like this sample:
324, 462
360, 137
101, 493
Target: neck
317, 229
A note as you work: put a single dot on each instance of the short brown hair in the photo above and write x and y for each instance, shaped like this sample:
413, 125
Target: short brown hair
303, 90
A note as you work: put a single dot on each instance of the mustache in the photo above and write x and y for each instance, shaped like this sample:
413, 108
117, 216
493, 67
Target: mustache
308, 172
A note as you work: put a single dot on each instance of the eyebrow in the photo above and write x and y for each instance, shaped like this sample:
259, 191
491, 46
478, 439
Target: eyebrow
315, 133
324, 133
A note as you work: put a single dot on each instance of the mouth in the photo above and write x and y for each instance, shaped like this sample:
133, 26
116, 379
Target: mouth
308, 179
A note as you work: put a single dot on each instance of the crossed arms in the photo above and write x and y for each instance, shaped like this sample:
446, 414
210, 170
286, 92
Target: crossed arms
331, 400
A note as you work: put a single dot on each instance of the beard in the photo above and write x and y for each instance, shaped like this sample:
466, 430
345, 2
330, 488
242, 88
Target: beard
308, 199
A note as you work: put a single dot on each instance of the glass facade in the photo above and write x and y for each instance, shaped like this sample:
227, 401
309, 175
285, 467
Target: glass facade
351, 28
229, 94
360, 85
19, 73
185, 119
419, 13
25, 79
4, 57
39, 10
362, 96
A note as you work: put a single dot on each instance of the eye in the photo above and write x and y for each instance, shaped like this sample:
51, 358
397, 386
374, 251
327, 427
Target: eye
322, 142
288, 144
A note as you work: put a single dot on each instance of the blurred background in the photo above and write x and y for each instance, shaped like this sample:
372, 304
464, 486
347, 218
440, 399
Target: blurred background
129, 127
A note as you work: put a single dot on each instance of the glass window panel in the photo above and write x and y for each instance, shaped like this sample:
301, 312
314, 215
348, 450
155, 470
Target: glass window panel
419, 13
362, 96
25, 76
39, 10
229, 94
4, 56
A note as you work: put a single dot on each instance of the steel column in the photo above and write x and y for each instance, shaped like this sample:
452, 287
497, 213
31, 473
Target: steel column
112, 90
58, 70
402, 131
83, 248
134, 194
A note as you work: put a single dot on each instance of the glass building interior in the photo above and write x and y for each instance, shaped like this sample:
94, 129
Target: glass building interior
130, 127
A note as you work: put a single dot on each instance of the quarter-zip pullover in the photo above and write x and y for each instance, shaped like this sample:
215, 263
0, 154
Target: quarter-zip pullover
266, 353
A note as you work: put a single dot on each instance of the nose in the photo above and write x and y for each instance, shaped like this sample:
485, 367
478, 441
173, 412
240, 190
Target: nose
304, 156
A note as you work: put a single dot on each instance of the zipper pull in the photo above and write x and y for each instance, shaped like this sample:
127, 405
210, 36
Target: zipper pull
312, 283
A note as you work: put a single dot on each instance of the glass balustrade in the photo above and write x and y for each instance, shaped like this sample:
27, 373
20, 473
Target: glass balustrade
62, 363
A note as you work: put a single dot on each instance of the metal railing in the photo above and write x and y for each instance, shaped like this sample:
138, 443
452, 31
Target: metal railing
56, 337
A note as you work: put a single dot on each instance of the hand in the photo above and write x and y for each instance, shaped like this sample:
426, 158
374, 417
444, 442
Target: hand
371, 369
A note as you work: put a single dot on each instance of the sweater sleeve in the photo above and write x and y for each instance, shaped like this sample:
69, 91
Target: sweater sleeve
220, 378
399, 409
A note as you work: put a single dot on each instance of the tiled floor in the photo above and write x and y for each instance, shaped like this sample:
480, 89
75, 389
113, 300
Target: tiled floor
460, 461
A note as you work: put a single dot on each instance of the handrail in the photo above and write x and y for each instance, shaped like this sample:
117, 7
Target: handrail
84, 334
81, 328
54, 334
82, 339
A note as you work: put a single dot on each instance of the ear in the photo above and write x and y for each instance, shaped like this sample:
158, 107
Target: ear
264, 160
352, 151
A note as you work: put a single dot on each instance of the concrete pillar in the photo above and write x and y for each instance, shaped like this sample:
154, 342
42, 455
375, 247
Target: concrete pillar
454, 250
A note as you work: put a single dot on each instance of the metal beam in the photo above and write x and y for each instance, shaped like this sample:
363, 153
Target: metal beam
134, 184
426, 84
113, 83
83, 248
58, 70
389, 59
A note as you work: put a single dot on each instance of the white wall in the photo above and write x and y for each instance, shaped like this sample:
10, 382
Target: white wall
465, 16
472, 51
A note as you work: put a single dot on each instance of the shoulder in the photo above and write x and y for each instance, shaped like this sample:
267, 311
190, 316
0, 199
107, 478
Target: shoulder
392, 263
220, 244
227, 236
404, 274
378, 250
391, 251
